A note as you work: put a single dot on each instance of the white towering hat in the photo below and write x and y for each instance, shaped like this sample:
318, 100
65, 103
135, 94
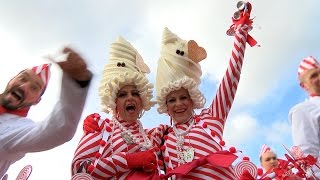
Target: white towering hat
125, 67
178, 67
307, 63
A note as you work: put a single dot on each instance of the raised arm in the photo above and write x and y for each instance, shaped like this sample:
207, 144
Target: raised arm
223, 100
61, 124
222, 103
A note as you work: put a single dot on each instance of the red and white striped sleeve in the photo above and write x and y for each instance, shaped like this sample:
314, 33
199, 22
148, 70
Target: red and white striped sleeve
109, 166
86, 150
225, 94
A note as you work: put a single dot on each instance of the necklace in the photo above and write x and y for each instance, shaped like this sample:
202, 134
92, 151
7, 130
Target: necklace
187, 155
129, 138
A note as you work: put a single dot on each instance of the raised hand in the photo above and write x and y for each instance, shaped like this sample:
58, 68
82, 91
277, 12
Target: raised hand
74, 65
90, 124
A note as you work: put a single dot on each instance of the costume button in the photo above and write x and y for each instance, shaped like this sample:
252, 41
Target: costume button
204, 125
102, 143
97, 155
108, 129
232, 149
246, 158
197, 119
90, 168
166, 159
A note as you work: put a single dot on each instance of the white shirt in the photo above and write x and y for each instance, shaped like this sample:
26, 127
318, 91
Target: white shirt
20, 135
305, 122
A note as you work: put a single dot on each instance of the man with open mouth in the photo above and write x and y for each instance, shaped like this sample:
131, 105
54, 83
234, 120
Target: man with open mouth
20, 135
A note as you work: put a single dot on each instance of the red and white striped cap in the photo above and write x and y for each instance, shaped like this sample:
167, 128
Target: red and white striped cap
307, 63
43, 71
265, 148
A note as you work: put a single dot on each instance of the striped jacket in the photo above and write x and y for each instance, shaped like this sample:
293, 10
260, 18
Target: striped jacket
212, 119
108, 156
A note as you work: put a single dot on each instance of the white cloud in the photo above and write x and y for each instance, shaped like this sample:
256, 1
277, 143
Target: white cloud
277, 132
240, 129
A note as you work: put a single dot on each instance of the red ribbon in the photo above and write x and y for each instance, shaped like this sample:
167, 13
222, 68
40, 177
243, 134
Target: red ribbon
245, 19
220, 158
251, 41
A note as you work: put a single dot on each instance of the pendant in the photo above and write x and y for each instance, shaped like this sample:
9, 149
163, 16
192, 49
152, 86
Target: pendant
143, 148
128, 139
188, 155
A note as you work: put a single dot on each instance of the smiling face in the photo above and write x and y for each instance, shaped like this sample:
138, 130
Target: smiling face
179, 105
269, 160
128, 103
24, 90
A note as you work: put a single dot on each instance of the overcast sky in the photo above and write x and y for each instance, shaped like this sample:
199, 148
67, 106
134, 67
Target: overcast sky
287, 31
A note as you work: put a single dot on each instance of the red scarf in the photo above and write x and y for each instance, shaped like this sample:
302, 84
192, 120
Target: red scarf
313, 95
20, 112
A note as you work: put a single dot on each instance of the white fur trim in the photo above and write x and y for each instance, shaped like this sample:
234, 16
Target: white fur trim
187, 83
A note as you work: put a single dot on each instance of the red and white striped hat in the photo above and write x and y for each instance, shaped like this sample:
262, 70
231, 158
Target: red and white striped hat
307, 63
265, 148
43, 71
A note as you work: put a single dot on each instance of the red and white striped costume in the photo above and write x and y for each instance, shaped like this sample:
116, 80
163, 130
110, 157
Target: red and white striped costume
112, 164
213, 118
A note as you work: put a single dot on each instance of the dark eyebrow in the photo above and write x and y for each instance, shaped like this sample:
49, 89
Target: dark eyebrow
120, 91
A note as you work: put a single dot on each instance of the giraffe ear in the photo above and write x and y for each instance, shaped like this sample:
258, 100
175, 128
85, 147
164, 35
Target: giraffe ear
195, 52
143, 67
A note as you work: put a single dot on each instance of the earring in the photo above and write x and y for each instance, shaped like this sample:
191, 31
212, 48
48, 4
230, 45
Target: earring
117, 114
141, 114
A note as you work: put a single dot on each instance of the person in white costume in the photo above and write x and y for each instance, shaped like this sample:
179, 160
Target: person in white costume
19, 134
305, 116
